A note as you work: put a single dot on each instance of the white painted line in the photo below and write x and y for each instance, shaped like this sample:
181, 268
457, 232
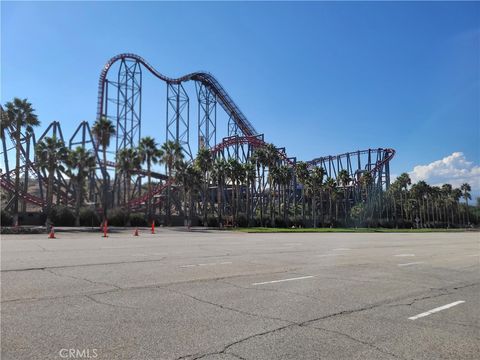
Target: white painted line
139, 255
405, 255
323, 255
225, 262
292, 244
412, 263
436, 310
277, 281
341, 249
208, 264
473, 255
186, 266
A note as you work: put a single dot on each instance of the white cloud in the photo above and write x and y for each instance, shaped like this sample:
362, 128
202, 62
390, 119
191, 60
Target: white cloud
454, 169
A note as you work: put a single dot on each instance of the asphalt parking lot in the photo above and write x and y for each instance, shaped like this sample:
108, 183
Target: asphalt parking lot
227, 295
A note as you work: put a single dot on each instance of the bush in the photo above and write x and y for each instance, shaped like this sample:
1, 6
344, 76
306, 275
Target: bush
89, 217
242, 220
139, 219
212, 221
298, 222
5, 218
279, 222
117, 217
62, 216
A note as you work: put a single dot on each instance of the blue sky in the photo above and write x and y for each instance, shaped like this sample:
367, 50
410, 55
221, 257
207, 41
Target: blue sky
318, 78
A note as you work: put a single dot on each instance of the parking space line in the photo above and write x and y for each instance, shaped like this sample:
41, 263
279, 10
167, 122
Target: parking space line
412, 263
206, 264
341, 249
282, 280
404, 255
444, 307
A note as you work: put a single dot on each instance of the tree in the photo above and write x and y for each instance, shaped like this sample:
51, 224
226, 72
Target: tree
103, 130
50, 154
80, 163
302, 174
127, 161
219, 174
345, 179
149, 154
204, 161
21, 115
189, 177
172, 156
330, 186
271, 160
315, 186
466, 188
250, 177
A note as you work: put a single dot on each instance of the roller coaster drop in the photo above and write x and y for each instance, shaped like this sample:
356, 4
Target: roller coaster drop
120, 100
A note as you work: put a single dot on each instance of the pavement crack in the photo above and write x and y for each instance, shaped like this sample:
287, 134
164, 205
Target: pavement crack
224, 307
371, 345
83, 279
108, 304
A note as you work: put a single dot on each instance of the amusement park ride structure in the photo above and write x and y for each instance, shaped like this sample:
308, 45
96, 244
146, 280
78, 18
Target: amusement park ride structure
120, 100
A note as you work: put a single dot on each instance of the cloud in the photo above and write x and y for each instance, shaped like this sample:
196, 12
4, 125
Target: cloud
454, 169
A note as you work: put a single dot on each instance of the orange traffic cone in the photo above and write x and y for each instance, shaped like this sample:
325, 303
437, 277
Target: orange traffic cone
153, 227
52, 233
105, 229
136, 232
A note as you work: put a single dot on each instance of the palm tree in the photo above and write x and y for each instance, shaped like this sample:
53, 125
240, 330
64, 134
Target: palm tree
20, 114
189, 177
330, 186
150, 154
50, 154
259, 157
219, 173
316, 187
250, 177
127, 161
204, 162
172, 156
271, 160
80, 163
103, 130
345, 179
466, 188
302, 174
286, 175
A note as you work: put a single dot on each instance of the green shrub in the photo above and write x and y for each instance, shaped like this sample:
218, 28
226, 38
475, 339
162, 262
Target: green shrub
62, 216
242, 220
279, 222
212, 221
89, 217
117, 217
138, 219
5, 218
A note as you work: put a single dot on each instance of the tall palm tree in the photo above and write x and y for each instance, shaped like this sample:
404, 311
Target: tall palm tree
271, 160
466, 188
50, 154
204, 161
21, 115
259, 157
220, 168
345, 179
103, 130
172, 156
331, 187
189, 177
127, 161
250, 177
150, 154
316, 188
79, 164
302, 174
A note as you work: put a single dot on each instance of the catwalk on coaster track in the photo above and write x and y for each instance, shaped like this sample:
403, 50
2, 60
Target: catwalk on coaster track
120, 100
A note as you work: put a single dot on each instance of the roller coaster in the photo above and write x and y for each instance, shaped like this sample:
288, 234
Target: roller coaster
120, 90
